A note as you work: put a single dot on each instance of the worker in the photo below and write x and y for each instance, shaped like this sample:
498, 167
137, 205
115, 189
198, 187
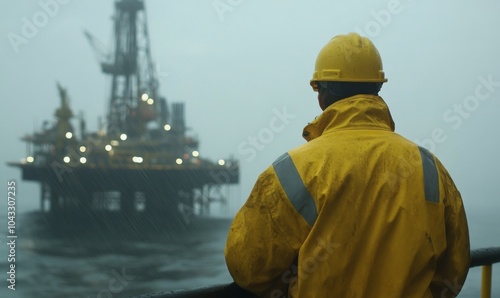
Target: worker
358, 210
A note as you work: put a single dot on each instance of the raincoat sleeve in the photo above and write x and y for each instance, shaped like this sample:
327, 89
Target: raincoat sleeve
264, 239
453, 266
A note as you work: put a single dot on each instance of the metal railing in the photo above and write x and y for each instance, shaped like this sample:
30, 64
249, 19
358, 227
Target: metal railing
484, 257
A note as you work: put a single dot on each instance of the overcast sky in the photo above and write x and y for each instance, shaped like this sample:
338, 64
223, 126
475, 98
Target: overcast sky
238, 64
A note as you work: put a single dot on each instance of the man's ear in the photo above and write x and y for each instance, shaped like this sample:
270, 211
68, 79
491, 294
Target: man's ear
321, 102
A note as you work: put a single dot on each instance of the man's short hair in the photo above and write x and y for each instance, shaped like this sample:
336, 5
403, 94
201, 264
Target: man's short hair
334, 91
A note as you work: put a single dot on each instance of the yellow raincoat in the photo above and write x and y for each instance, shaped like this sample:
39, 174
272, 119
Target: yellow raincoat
357, 211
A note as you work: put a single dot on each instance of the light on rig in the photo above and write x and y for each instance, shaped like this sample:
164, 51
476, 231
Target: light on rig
222, 162
114, 143
30, 159
195, 153
178, 161
83, 149
123, 137
83, 160
108, 147
69, 135
66, 159
150, 101
144, 97
137, 159
167, 127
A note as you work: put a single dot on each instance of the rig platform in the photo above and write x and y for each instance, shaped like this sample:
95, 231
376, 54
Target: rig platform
141, 160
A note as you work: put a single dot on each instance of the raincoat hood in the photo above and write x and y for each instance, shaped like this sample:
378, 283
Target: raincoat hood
359, 111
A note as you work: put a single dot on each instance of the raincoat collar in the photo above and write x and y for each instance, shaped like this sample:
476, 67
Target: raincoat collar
356, 112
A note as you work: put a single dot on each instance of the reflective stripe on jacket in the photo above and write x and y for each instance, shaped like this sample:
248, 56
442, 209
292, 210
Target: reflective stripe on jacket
357, 211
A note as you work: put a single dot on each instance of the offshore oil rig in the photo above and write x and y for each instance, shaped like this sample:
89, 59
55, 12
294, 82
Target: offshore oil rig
141, 160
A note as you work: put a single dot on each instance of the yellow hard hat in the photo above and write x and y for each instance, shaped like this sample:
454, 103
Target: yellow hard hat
348, 58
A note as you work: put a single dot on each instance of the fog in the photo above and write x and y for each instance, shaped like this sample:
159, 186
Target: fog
239, 65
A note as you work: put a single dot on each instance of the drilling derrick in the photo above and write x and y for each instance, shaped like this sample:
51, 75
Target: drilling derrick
141, 161
134, 86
